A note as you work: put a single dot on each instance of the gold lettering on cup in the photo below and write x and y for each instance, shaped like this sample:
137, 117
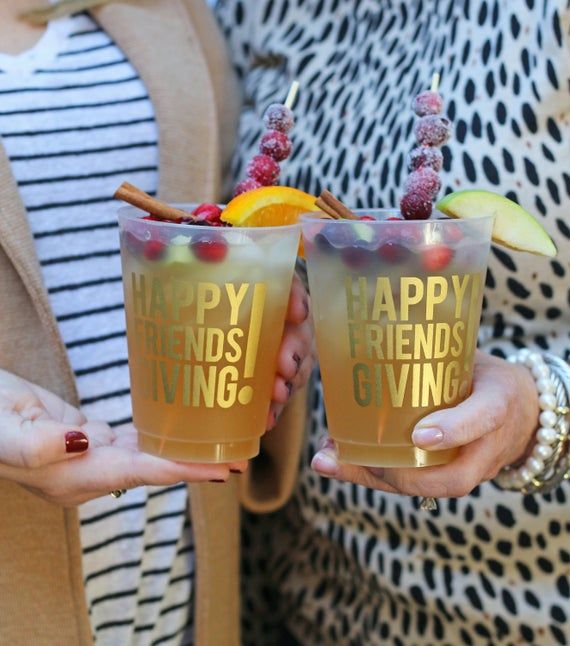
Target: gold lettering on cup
412, 293
383, 300
194, 344
208, 297
472, 320
255, 320
360, 299
412, 339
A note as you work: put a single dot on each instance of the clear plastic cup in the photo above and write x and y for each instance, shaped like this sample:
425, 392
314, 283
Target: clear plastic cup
396, 311
205, 309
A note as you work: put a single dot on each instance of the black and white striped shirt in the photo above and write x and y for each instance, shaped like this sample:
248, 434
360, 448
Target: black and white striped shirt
76, 120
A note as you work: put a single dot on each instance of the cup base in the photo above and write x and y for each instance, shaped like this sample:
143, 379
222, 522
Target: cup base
213, 453
372, 455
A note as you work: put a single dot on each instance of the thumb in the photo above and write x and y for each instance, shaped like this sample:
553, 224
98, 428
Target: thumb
483, 412
31, 444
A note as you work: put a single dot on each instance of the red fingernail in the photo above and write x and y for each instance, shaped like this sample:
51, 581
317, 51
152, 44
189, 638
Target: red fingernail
217, 480
235, 471
289, 387
76, 442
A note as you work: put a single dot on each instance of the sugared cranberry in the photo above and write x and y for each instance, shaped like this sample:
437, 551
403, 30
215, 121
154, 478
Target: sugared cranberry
436, 257
432, 130
209, 248
154, 250
278, 117
425, 181
275, 144
263, 169
427, 103
246, 185
393, 252
416, 206
426, 157
208, 213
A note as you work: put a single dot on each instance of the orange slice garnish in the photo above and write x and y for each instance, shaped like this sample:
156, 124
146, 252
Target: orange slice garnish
269, 206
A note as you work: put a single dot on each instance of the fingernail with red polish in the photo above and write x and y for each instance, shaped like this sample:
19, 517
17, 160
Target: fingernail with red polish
76, 442
289, 387
306, 306
217, 480
235, 471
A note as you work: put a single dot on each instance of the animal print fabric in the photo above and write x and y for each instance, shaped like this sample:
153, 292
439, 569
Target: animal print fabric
342, 564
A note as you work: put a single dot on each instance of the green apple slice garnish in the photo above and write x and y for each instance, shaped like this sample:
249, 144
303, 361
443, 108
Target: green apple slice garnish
513, 227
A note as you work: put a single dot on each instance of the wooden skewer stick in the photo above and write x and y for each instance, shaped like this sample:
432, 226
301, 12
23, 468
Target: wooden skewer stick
292, 94
434, 82
135, 196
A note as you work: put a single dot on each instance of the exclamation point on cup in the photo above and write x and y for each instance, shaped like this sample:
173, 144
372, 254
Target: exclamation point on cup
256, 317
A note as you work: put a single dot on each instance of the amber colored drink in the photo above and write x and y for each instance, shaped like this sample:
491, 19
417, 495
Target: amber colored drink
205, 310
396, 309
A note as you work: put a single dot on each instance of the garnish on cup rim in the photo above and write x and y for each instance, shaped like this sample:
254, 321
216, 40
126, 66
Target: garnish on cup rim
137, 197
332, 206
425, 161
514, 227
274, 146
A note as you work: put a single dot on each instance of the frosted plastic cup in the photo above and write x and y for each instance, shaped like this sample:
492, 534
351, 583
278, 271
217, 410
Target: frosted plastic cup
205, 309
396, 311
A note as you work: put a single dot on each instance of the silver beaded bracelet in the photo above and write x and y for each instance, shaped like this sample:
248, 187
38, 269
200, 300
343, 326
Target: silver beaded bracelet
549, 462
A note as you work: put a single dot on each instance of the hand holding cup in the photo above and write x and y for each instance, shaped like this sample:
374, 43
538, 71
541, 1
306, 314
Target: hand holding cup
492, 428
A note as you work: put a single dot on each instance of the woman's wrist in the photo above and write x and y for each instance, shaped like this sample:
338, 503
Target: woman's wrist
546, 462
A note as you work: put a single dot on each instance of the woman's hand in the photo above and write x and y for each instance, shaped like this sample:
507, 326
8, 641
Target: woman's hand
295, 359
49, 447
492, 428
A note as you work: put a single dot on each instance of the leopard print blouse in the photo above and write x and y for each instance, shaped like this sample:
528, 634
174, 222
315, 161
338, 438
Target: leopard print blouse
342, 564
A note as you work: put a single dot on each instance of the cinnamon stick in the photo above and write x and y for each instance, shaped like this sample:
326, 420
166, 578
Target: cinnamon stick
334, 207
327, 209
135, 196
